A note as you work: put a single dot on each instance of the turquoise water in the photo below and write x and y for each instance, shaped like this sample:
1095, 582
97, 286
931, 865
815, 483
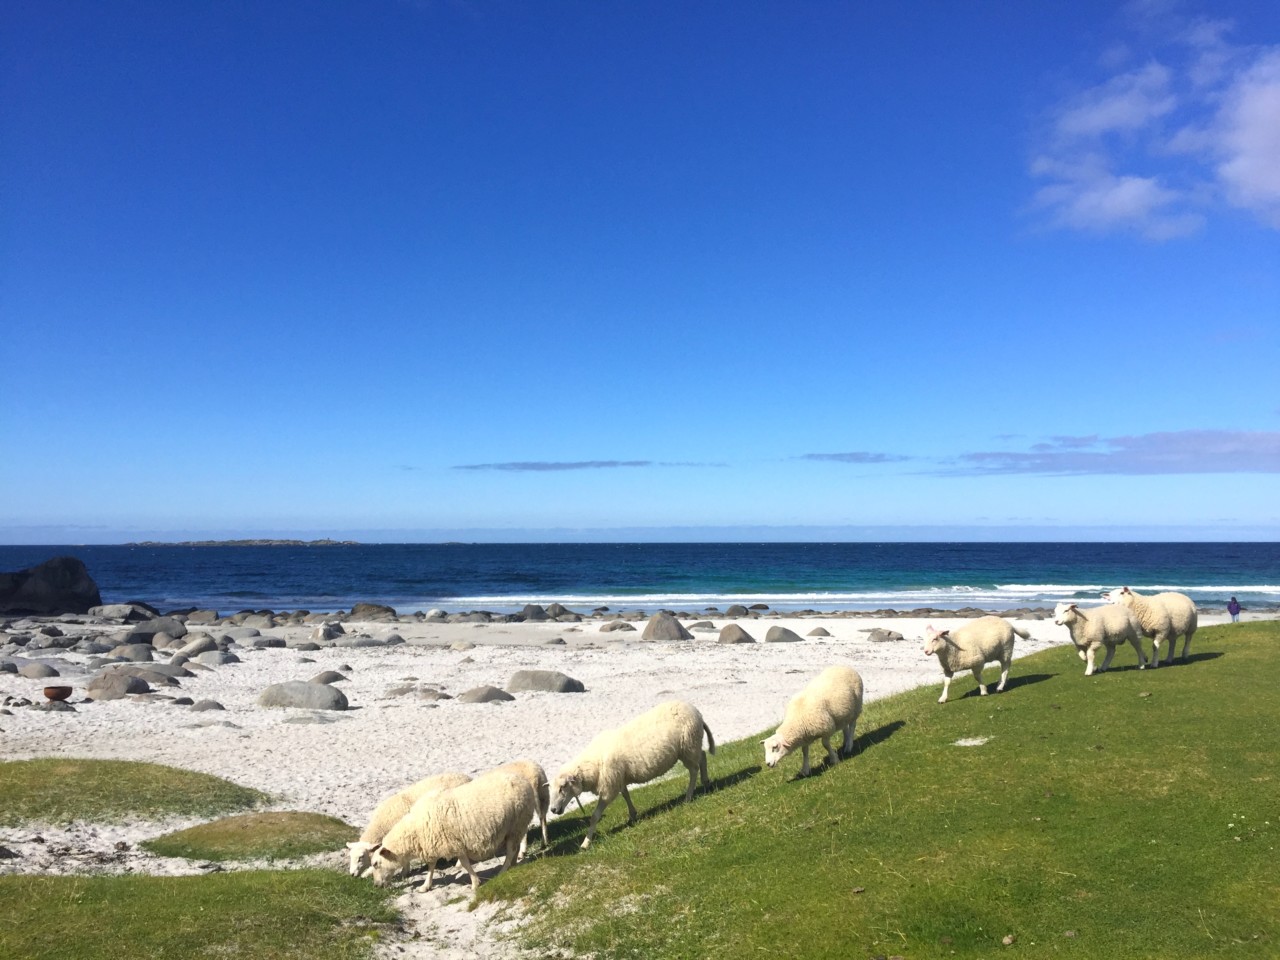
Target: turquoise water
787, 576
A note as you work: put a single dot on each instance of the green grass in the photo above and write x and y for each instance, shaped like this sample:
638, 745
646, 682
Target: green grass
253, 836
64, 790
259, 915
1127, 815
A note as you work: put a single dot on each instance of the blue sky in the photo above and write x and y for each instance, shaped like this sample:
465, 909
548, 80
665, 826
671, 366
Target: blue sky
397, 270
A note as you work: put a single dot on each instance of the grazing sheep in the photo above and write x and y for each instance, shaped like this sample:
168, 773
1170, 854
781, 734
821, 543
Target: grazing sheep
1164, 617
830, 702
640, 750
471, 822
1097, 627
972, 647
390, 810
537, 778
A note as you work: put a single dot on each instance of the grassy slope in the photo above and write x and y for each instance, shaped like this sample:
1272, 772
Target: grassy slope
253, 836
1096, 822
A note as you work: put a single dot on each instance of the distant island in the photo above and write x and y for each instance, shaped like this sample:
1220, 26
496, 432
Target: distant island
246, 543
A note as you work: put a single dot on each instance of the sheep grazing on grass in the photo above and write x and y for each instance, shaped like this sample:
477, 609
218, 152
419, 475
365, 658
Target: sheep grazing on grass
537, 778
390, 810
1164, 617
1097, 627
472, 822
636, 752
830, 702
971, 647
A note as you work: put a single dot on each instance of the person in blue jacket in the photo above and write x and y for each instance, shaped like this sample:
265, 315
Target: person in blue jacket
1233, 608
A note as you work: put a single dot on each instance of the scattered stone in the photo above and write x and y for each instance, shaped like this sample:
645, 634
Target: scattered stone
371, 611
554, 642
197, 643
54, 706
462, 646
819, 632
303, 695
181, 702
201, 706
145, 631
136, 652
327, 676
216, 658
37, 671
358, 642
484, 694
613, 625
737, 610
128, 612
534, 612
881, 635
779, 634
547, 681
732, 633
327, 631
1009, 940
664, 627
115, 686
758, 606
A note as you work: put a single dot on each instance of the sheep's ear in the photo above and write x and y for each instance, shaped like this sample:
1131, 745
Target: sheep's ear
384, 852
944, 633
1073, 607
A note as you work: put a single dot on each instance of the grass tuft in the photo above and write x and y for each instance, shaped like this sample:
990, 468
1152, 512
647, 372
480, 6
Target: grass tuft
1133, 814
256, 836
56, 790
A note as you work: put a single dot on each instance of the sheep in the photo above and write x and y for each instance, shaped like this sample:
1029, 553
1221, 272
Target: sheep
537, 778
831, 701
643, 748
972, 647
390, 810
472, 822
1163, 616
1096, 627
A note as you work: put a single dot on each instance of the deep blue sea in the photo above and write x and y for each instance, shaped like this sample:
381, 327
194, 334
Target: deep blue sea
787, 576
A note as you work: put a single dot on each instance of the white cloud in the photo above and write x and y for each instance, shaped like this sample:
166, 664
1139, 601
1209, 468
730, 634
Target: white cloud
1154, 150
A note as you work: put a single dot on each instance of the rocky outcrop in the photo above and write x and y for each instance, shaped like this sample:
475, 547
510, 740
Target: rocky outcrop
548, 681
57, 586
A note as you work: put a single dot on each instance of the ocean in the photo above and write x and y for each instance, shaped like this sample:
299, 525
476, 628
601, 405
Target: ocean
692, 576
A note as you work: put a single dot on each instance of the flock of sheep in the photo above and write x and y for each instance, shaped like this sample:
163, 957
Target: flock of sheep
452, 816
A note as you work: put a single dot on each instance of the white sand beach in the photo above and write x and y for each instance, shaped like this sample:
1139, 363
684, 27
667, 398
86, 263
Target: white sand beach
343, 762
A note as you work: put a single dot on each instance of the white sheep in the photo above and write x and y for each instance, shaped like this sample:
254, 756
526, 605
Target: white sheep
472, 822
537, 778
636, 752
1164, 617
830, 702
1098, 627
972, 647
390, 810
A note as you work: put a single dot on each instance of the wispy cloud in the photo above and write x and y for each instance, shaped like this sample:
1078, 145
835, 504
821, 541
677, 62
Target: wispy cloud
1177, 452
857, 456
1186, 125
542, 466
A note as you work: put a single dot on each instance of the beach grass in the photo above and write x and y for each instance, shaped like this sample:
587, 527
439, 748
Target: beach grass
57, 790
255, 915
1133, 814
256, 836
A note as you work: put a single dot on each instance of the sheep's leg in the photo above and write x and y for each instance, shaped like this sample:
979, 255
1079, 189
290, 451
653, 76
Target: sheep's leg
1080, 652
524, 845
832, 759
946, 685
693, 783
542, 819
470, 868
1186, 645
1111, 653
595, 819
431, 875
977, 676
702, 769
1142, 657
1173, 648
1155, 654
631, 807
804, 767
1088, 661
510, 859
847, 747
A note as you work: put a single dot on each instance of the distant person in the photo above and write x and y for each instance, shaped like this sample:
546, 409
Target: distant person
1233, 608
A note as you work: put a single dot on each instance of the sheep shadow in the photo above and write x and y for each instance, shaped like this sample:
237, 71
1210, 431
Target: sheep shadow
860, 745
1013, 683
1194, 658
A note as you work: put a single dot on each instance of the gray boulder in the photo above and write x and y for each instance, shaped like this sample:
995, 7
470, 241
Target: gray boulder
484, 694
303, 695
145, 631
37, 671
880, 635
778, 634
732, 633
737, 610
136, 652
200, 706
819, 632
215, 658
57, 586
327, 676
613, 625
663, 627
372, 611
548, 681
197, 643
131, 612
535, 612
115, 686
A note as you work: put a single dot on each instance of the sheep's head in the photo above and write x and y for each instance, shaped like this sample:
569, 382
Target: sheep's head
775, 748
934, 640
1118, 595
1064, 613
386, 865
361, 856
563, 789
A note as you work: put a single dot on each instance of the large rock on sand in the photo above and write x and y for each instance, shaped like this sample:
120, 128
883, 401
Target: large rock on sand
57, 586
665, 627
547, 681
782, 635
306, 696
732, 633
115, 686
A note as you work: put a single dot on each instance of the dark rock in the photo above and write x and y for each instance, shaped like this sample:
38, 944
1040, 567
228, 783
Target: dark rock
54, 706
484, 694
758, 606
613, 625
737, 610
136, 652
37, 671
663, 627
371, 611
732, 633
115, 686
779, 634
264, 643
881, 635
196, 644
819, 632
358, 642
557, 610
181, 702
215, 658
303, 695
327, 676
57, 586
128, 612
548, 681
202, 616
534, 612
200, 706
702, 625
143, 632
